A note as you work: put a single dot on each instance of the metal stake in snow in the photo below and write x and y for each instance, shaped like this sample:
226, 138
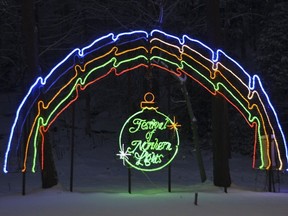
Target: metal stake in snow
196, 199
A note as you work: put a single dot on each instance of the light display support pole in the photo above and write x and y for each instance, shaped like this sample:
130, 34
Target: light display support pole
72, 148
169, 176
24, 183
169, 167
24, 172
270, 174
129, 180
268, 183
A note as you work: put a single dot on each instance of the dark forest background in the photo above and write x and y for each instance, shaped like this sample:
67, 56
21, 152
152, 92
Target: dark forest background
37, 34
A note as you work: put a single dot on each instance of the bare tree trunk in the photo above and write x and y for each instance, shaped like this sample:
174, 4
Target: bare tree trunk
30, 33
194, 127
88, 114
49, 173
219, 107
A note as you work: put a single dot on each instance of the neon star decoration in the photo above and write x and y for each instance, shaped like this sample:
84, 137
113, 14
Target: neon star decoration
150, 142
108, 56
123, 154
174, 125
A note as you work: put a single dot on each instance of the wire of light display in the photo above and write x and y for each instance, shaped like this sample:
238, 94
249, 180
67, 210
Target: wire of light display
43, 81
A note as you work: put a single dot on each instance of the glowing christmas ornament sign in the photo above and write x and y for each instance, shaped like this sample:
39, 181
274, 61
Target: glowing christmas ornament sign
150, 137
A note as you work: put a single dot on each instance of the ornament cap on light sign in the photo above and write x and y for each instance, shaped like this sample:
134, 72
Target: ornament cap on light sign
148, 102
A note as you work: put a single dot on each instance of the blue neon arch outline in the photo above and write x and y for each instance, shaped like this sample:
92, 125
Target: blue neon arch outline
40, 81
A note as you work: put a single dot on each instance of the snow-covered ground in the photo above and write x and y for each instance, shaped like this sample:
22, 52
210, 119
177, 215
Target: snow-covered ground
213, 202
100, 188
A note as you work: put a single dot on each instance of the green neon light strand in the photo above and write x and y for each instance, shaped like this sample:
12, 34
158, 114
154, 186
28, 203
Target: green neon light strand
81, 81
216, 87
251, 118
116, 64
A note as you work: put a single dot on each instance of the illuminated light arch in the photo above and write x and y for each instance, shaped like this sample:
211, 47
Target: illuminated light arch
215, 71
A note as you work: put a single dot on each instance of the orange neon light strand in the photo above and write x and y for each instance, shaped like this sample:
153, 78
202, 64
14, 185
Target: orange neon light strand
115, 49
253, 124
261, 116
242, 97
77, 95
250, 96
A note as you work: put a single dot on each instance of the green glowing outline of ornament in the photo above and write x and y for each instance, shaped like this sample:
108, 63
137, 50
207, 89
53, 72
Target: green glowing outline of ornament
176, 146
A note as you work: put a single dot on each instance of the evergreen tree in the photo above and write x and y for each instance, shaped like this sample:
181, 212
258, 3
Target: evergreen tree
272, 57
272, 49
